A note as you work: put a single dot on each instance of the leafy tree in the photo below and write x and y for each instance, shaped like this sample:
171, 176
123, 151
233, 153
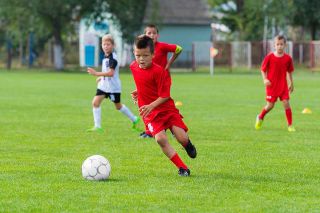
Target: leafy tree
60, 17
306, 14
246, 19
129, 15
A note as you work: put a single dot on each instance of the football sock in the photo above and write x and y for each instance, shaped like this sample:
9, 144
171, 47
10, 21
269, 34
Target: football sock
97, 116
126, 111
263, 113
289, 116
178, 162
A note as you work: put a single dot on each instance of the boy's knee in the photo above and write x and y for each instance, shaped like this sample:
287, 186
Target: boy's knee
95, 104
270, 106
161, 140
118, 106
286, 104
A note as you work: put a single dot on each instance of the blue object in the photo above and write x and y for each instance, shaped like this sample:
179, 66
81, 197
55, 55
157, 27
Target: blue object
101, 26
89, 55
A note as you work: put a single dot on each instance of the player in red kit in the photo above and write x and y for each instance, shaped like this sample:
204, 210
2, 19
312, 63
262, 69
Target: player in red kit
155, 104
161, 51
275, 69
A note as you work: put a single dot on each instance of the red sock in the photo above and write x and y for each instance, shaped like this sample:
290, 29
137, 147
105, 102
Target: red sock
178, 162
289, 116
263, 113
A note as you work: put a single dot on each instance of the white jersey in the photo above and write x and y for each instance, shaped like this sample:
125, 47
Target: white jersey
110, 84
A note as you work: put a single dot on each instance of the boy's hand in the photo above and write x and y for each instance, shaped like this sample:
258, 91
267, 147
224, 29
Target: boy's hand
91, 71
291, 87
145, 110
267, 82
134, 96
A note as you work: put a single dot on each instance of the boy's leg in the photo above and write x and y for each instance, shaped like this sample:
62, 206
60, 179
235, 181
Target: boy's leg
126, 111
96, 110
269, 106
168, 150
288, 112
182, 137
263, 112
116, 99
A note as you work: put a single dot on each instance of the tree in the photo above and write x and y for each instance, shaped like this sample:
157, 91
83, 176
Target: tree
246, 19
306, 14
60, 17
129, 15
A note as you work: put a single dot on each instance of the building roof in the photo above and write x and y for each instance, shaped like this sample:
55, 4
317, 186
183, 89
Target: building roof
184, 12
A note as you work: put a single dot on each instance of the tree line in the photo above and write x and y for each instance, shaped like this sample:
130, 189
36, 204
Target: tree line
21, 20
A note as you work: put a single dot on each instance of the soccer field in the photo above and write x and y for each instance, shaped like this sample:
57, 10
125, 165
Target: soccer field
44, 115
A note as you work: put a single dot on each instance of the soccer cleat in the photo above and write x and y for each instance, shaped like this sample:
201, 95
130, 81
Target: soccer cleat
135, 124
95, 129
145, 135
191, 150
184, 172
291, 128
258, 123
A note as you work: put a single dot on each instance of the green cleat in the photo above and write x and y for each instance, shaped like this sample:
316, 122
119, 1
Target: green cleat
258, 123
291, 128
135, 124
95, 129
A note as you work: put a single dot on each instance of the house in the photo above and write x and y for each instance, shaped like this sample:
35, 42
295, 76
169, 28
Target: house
90, 52
180, 22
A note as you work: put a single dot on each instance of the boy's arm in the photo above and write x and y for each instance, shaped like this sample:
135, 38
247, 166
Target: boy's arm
110, 73
289, 76
146, 109
265, 79
174, 57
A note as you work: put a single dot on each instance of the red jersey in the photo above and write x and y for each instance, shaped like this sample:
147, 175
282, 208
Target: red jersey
276, 69
152, 83
161, 51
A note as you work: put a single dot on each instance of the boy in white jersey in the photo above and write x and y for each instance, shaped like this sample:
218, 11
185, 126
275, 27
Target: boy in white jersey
109, 86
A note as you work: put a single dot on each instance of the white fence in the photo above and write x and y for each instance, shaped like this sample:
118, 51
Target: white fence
248, 54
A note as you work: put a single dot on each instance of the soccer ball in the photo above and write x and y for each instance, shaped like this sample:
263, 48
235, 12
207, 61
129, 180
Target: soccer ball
96, 167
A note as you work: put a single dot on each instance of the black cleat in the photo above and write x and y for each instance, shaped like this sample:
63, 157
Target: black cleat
184, 172
191, 150
145, 135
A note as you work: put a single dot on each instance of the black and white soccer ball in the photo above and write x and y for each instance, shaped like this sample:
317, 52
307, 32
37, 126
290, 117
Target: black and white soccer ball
96, 167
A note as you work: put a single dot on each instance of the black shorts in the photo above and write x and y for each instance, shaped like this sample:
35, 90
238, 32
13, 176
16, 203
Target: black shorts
114, 97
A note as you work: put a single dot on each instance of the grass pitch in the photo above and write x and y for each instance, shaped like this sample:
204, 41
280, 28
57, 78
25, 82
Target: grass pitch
44, 115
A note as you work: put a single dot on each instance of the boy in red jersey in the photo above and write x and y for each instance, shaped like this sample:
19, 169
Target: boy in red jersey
161, 51
275, 69
155, 104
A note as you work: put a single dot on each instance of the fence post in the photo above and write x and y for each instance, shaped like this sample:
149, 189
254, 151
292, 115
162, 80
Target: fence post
312, 62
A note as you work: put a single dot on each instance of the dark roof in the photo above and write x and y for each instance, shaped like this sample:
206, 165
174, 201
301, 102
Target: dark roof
195, 12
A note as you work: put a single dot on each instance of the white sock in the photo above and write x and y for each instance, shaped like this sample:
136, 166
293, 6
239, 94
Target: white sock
126, 111
97, 116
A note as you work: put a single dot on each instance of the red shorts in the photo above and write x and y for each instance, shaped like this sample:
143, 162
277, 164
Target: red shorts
165, 121
271, 97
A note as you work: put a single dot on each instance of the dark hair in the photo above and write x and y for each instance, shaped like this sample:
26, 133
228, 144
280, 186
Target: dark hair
143, 41
281, 37
151, 26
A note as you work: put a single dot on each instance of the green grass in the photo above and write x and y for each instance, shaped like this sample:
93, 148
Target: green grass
43, 117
